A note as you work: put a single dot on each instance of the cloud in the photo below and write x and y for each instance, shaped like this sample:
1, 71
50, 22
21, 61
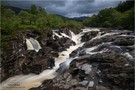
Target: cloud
68, 8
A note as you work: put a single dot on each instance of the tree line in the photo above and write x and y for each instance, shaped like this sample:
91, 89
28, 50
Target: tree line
33, 18
119, 17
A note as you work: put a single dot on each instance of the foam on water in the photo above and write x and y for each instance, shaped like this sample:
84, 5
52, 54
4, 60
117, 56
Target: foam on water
127, 35
88, 29
28, 81
109, 34
63, 34
128, 55
56, 34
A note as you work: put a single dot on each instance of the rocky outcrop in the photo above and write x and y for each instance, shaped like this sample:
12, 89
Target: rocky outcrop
16, 59
104, 68
124, 41
60, 44
89, 35
101, 71
66, 31
116, 39
77, 52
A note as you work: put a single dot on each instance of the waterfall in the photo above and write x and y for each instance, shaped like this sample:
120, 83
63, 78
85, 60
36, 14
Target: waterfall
33, 44
25, 82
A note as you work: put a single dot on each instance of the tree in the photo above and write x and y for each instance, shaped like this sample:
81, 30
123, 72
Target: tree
42, 22
9, 22
33, 9
24, 15
73, 24
108, 17
7, 13
127, 19
125, 6
92, 21
41, 10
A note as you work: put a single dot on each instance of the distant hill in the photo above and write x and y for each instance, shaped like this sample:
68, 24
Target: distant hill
75, 18
79, 18
65, 18
16, 9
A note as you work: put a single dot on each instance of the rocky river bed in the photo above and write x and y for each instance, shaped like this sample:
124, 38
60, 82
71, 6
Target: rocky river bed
87, 59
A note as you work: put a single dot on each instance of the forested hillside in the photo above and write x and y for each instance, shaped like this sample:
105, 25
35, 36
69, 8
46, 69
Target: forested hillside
33, 18
120, 17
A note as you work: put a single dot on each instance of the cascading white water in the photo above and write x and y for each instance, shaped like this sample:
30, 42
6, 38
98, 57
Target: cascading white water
33, 44
25, 82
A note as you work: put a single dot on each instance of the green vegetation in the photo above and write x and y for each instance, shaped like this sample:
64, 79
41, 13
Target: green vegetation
120, 17
9, 22
12, 21
33, 18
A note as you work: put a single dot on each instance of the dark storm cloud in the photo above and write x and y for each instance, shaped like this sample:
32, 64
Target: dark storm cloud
69, 8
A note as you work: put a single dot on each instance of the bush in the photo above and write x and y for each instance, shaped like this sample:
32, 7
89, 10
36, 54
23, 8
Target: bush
73, 24
27, 27
9, 22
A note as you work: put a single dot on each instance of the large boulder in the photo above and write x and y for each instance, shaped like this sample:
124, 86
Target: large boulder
98, 41
60, 44
66, 31
115, 39
115, 70
89, 35
124, 41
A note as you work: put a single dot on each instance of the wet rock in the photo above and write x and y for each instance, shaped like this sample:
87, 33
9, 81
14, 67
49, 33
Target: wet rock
33, 33
105, 57
107, 70
84, 83
51, 62
22, 61
82, 75
54, 53
89, 36
98, 41
101, 88
66, 31
86, 68
43, 86
76, 52
124, 41
115, 39
91, 83
60, 44
63, 67
105, 29
108, 47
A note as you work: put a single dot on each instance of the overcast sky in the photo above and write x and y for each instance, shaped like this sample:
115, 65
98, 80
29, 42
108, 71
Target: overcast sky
68, 8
